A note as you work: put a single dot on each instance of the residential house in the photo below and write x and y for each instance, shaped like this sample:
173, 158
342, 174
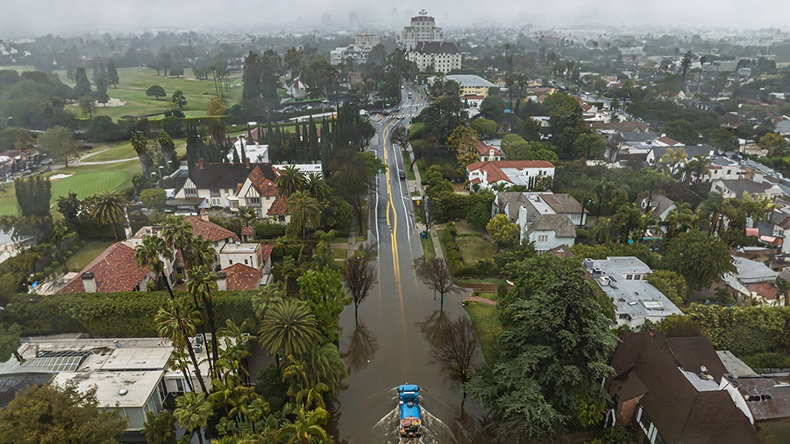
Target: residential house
754, 280
234, 186
532, 174
486, 152
239, 277
739, 188
132, 376
659, 206
623, 279
674, 390
249, 149
549, 231
114, 270
723, 168
509, 203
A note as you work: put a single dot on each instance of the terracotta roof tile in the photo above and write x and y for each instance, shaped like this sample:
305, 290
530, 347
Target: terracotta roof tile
266, 251
210, 230
263, 182
278, 207
247, 231
484, 149
242, 277
115, 270
766, 290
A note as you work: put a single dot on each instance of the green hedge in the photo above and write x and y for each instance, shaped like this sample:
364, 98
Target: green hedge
112, 314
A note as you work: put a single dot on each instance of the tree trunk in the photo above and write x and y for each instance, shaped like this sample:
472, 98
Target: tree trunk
197, 368
188, 379
200, 435
213, 328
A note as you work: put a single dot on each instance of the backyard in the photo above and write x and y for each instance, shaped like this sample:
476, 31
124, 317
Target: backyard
487, 325
86, 254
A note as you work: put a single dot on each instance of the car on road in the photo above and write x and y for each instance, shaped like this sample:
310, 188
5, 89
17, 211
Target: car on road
402, 174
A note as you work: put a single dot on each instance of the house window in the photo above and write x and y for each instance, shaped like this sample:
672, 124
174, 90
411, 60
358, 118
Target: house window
245, 262
234, 204
543, 237
214, 192
644, 421
253, 200
230, 261
191, 192
281, 218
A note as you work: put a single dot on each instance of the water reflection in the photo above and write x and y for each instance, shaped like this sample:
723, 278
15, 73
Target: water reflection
432, 326
362, 346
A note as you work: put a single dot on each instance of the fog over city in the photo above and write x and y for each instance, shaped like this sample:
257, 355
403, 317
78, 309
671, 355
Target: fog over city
39, 17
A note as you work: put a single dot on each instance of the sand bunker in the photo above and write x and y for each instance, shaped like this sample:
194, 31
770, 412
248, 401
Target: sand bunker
59, 176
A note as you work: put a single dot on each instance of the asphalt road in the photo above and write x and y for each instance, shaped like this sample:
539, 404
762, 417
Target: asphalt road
389, 347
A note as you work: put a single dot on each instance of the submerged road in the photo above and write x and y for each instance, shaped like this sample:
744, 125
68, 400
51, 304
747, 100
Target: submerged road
388, 346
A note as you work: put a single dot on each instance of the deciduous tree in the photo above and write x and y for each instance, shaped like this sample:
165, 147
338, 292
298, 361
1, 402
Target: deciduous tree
59, 143
502, 230
179, 99
701, 258
156, 91
360, 275
436, 274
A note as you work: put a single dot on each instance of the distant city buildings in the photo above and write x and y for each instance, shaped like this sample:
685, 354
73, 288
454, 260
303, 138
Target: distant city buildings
424, 44
358, 52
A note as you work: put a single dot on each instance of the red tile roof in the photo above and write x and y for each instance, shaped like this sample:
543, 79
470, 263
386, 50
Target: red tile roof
210, 230
278, 207
241, 277
262, 184
483, 149
247, 231
115, 270
266, 251
666, 140
767, 290
494, 171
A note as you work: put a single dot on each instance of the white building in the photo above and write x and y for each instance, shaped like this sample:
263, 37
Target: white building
533, 174
421, 29
355, 53
442, 57
255, 152
624, 280
367, 39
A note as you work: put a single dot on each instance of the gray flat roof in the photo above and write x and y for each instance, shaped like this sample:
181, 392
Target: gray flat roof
138, 386
240, 248
750, 271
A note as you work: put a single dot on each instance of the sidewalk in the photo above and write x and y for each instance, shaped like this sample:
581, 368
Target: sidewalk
417, 183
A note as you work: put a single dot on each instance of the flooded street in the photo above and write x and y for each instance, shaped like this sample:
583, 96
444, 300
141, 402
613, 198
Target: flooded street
389, 345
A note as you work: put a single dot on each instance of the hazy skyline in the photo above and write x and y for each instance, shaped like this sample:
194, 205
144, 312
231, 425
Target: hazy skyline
30, 18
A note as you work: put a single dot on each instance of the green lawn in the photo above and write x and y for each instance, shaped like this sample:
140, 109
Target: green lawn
428, 247
86, 254
135, 81
775, 432
488, 327
474, 248
123, 150
84, 180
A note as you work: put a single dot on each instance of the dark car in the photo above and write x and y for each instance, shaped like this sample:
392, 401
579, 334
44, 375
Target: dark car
402, 174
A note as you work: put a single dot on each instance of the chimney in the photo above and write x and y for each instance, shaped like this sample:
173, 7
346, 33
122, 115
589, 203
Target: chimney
247, 162
652, 332
127, 230
204, 214
201, 164
89, 282
222, 283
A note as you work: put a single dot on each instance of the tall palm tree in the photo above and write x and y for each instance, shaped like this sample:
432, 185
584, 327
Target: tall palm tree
681, 219
290, 181
325, 366
107, 208
306, 428
177, 323
305, 211
141, 147
193, 411
177, 233
247, 216
288, 328
202, 282
317, 187
150, 254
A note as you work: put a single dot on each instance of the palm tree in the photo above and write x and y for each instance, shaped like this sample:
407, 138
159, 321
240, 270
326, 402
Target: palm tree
247, 216
305, 211
193, 412
177, 323
141, 147
150, 254
325, 366
681, 219
317, 187
306, 427
177, 233
289, 327
107, 208
290, 181
202, 282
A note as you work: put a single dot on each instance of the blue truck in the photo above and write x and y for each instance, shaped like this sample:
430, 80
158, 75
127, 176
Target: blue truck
410, 412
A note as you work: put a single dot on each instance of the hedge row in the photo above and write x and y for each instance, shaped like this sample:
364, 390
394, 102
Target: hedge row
484, 268
121, 315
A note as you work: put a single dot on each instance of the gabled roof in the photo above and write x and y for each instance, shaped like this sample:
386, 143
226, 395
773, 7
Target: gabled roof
562, 203
220, 175
667, 141
626, 126
115, 270
493, 168
560, 224
210, 230
241, 277
266, 251
484, 149
510, 201
745, 186
681, 411
262, 178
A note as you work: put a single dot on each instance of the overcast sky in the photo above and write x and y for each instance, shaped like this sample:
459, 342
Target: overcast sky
28, 18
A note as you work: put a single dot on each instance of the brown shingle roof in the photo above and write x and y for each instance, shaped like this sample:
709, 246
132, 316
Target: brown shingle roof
682, 414
241, 277
210, 230
263, 182
563, 203
560, 224
115, 270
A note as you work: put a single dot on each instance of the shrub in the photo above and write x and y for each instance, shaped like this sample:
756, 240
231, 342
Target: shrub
452, 229
268, 230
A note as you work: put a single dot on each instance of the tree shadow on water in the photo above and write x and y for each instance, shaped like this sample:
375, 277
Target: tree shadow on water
362, 347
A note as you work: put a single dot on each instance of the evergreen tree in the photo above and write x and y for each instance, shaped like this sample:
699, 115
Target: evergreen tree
83, 85
33, 195
112, 74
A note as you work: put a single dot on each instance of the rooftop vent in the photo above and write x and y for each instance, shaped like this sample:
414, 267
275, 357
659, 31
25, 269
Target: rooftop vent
123, 392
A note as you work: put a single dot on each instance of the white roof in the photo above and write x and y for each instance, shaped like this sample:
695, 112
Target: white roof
138, 358
469, 80
240, 248
138, 386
